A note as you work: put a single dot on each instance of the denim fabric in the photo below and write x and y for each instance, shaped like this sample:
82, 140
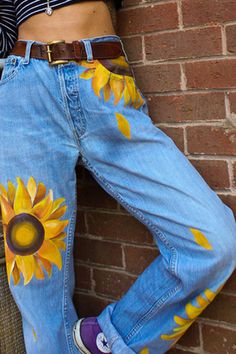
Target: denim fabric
93, 113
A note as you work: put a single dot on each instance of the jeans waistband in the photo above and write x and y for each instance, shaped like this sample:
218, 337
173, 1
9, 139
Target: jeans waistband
87, 43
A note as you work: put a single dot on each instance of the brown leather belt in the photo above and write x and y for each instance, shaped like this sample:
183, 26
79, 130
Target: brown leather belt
59, 52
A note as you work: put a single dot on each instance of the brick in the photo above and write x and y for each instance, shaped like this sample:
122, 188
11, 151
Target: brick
223, 308
211, 74
234, 173
80, 226
118, 227
133, 48
230, 285
232, 100
79, 170
94, 196
179, 351
138, 258
187, 107
230, 201
215, 172
167, 77
110, 283
127, 3
160, 17
83, 175
176, 134
218, 340
184, 44
191, 337
88, 177
211, 140
82, 276
89, 305
96, 251
200, 12
230, 37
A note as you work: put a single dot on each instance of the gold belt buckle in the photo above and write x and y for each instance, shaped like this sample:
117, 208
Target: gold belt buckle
49, 51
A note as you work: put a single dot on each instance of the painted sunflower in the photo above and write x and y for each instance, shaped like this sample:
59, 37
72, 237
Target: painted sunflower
113, 75
192, 312
33, 233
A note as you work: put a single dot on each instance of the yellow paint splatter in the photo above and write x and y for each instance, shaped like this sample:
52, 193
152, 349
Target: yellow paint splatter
144, 351
201, 239
192, 313
123, 125
34, 334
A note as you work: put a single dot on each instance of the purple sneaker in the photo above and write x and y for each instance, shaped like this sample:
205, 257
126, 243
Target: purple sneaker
89, 338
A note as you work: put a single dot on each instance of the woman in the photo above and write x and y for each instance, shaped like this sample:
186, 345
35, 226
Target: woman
78, 102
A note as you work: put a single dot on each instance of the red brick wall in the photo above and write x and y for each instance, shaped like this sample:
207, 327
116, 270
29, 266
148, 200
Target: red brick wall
183, 53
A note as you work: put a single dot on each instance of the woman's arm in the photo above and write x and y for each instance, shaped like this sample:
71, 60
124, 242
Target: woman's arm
8, 27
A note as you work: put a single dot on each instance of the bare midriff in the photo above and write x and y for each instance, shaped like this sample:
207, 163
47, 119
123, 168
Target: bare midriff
72, 22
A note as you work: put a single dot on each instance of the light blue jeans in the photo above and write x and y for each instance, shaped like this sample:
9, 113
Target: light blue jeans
93, 113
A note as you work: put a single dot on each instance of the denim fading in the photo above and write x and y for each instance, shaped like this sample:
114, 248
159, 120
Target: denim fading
93, 113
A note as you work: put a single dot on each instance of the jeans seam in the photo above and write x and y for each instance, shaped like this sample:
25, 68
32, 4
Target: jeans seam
174, 254
64, 104
65, 283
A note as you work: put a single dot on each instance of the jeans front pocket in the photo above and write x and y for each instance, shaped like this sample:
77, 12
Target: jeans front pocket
11, 67
114, 76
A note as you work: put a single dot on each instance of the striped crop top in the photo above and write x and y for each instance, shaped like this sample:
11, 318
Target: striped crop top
14, 12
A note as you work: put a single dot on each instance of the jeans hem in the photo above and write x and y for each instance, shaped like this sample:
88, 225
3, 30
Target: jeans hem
115, 341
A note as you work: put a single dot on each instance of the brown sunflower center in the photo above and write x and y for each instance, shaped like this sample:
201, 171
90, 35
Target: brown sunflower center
24, 234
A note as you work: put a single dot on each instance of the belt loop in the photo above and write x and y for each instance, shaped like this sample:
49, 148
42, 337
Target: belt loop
88, 49
27, 51
124, 51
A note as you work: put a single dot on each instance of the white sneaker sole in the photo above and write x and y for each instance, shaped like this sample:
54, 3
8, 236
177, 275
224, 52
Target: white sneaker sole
77, 338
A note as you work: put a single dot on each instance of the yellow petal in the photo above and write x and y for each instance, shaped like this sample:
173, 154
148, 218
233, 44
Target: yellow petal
201, 239
100, 79
88, 64
41, 192
139, 100
87, 74
201, 301
22, 202
107, 91
7, 211
46, 264
126, 95
16, 275
209, 294
123, 125
60, 236
3, 191
184, 328
54, 227
121, 61
26, 265
11, 192
144, 351
117, 87
39, 274
131, 88
180, 321
60, 244
58, 213
170, 336
57, 203
193, 311
50, 252
43, 208
10, 266
32, 188
10, 256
